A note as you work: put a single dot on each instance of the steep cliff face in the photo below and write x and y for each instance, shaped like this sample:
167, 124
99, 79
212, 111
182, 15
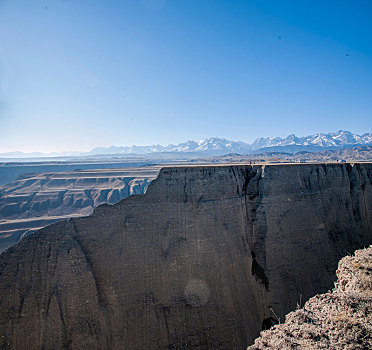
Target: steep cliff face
203, 260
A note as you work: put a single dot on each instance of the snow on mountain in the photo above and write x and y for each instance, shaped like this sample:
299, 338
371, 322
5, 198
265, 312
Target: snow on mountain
366, 138
217, 144
188, 146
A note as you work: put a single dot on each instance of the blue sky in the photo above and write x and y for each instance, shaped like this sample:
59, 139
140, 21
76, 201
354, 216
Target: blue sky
75, 74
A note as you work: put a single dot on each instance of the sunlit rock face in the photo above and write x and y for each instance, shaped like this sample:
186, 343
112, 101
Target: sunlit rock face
203, 260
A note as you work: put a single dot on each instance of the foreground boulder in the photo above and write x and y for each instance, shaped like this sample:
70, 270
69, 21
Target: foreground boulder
206, 259
341, 319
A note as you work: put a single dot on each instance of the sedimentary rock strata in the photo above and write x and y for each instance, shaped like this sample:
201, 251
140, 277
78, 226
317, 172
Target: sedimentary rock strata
203, 260
35, 201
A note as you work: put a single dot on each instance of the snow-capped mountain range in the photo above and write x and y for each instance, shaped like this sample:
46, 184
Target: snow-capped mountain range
339, 139
219, 146
209, 144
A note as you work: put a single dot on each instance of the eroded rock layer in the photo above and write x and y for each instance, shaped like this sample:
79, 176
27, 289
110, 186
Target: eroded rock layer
34, 201
201, 261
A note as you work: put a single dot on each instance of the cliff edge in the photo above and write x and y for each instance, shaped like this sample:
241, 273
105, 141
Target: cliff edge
203, 260
340, 320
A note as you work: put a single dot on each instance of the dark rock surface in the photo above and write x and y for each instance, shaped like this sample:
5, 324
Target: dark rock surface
201, 261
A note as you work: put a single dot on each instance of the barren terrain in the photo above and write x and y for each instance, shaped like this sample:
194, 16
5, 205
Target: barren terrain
35, 201
36, 194
200, 261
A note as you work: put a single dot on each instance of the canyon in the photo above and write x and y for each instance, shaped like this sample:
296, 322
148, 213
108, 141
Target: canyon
34, 201
205, 259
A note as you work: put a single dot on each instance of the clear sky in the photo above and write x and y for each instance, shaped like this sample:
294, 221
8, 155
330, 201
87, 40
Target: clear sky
75, 74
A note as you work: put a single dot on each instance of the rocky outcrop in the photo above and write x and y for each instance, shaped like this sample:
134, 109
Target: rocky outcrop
203, 260
340, 320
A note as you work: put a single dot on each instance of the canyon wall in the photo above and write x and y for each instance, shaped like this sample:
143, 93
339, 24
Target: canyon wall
204, 260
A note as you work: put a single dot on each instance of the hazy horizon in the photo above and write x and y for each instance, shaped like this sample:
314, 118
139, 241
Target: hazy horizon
78, 74
81, 151
158, 143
